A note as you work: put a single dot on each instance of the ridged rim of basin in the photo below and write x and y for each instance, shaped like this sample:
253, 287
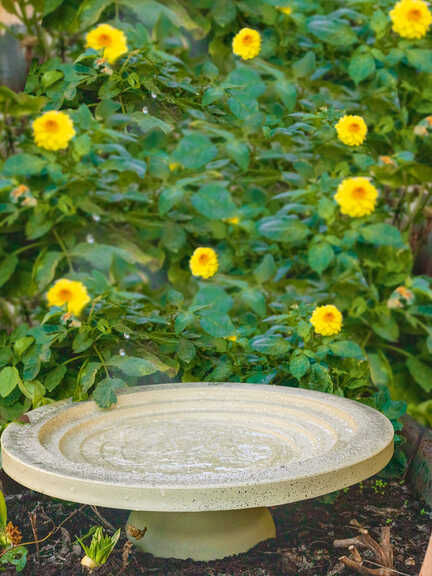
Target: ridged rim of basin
359, 444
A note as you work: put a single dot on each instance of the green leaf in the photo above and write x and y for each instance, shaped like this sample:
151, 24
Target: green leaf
321, 378
387, 328
421, 372
217, 325
239, 152
283, 229
332, 31
133, 366
320, 256
183, 321
88, 375
287, 92
82, 341
146, 123
20, 104
7, 268
186, 351
22, 344
9, 380
224, 12
306, 66
38, 224
214, 201
91, 10
299, 365
379, 22
105, 392
33, 390
54, 377
272, 345
45, 268
420, 59
382, 234
215, 297
380, 369
361, 66
346, 349
24, 165
3, 511
255, 300
169, 198
266, 269
195, 151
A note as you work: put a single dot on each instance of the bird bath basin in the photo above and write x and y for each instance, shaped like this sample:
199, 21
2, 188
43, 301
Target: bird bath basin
198, 464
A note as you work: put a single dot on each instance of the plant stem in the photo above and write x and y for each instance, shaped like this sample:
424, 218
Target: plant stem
101, 358
64, 250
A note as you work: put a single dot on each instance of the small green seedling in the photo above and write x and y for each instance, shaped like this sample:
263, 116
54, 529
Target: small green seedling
100, 548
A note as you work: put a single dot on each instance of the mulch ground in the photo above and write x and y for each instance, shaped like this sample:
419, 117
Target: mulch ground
304, 547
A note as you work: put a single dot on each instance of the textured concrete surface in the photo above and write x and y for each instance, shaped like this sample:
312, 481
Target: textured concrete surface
200, 535
198, 447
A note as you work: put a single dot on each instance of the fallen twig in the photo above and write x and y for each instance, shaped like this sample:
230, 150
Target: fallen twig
51, 533
102, 519
383, 552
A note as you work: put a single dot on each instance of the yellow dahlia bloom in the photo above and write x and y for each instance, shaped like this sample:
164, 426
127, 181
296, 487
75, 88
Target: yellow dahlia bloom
351, 130
53, 130
204, 262
108, 38
356, 197
411, 18
65, 291
247, 43
286, 10
326, 320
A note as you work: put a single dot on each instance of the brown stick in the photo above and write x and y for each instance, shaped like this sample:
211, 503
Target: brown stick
33, 522
386, 547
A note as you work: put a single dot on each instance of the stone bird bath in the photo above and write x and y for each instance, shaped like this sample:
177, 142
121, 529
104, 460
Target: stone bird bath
198, 464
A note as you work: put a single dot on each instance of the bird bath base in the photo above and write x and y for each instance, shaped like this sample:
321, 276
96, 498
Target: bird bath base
199, 463
200, 535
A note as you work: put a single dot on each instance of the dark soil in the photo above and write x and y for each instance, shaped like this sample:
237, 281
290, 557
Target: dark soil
304, 547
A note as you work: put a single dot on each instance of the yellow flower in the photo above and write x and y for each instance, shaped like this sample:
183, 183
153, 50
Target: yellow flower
286, 10
204, 262
108, 38
65, 291
351, 130
232, 338
247, 43
53, 130
429, 120
356, 197
326, 320
411, 18
173, 166
234, 220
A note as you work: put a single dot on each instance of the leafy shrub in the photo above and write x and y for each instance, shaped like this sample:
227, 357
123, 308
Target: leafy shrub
179, 145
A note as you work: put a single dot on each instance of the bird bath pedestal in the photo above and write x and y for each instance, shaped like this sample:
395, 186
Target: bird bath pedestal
198, 463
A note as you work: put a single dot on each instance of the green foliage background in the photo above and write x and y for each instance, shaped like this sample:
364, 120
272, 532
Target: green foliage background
175, 139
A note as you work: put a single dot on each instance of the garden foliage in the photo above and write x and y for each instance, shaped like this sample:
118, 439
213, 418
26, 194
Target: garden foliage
180, 144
